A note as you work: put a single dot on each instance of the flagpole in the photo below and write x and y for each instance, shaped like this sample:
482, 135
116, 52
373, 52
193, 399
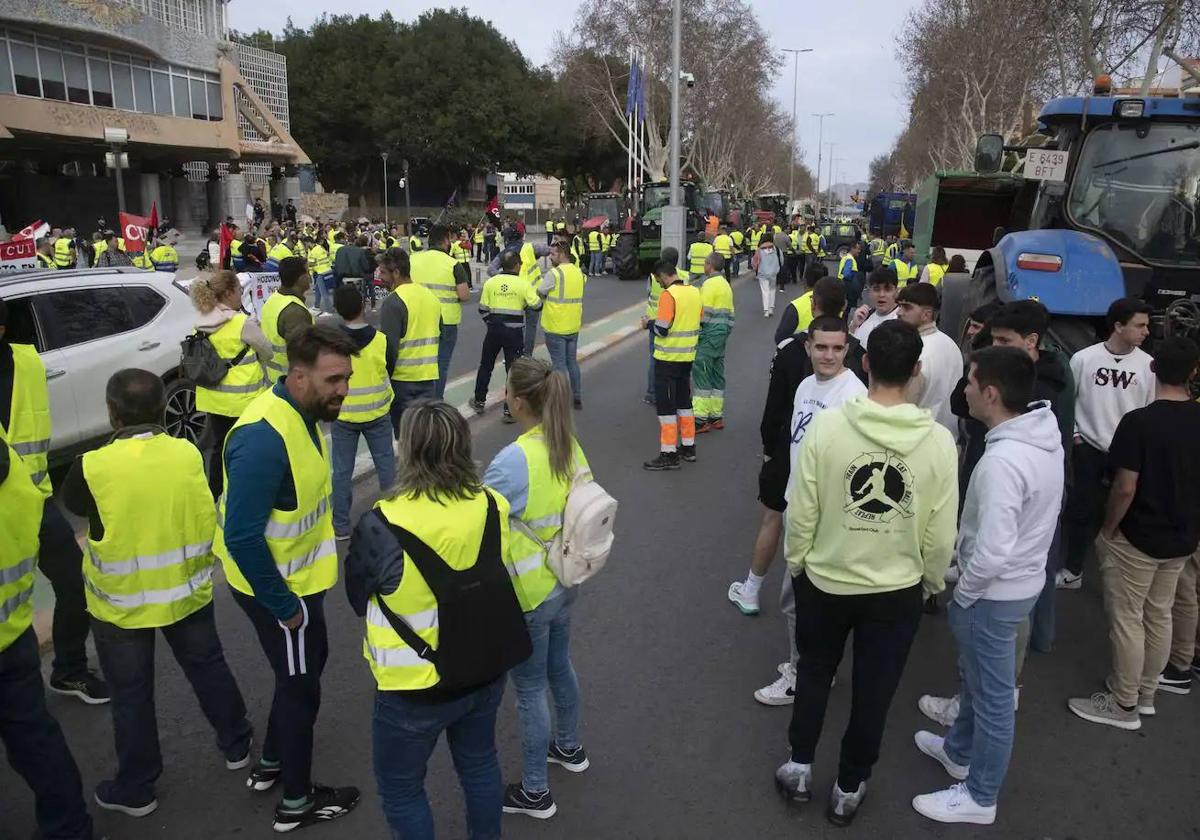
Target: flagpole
629, 116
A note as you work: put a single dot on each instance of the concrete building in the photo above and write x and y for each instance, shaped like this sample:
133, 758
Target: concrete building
202, 122
530, 196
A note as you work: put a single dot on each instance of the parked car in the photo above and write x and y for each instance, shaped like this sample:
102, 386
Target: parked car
89, 323
839, 237
419, 226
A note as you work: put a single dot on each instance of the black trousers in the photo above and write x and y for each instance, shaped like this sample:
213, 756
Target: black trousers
298, 658
61, 561
498, 339
672, 386
884, 626
216, 431
788, 272
1085, 503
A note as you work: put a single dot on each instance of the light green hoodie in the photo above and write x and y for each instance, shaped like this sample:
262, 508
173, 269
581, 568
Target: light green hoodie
874, 500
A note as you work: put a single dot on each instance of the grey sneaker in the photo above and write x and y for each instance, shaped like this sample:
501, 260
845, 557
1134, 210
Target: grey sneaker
934, 746
843, 806
1145, 705
1103, 708
794, 781
943, 710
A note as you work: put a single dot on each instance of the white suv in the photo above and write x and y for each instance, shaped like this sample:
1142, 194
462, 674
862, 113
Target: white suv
89, 323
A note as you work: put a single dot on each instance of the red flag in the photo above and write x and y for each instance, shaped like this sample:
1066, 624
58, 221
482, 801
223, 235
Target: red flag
34, 230
153, 221
133, 230
493, 207
226, 239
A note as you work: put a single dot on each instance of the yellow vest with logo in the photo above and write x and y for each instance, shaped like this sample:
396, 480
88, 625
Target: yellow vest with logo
21, 506
416, 352
656, 291
936, 273
243, 382
543, 514
507, 296
679, 344
723, 245
271, 309
319, 260
434, 270
28, 429
370, 394
279, 252
697, 253
301, 540
153, 566
562, 313
716, 300
64, 254
454, 531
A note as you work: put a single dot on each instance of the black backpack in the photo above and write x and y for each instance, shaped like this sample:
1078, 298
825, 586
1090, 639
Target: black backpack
481, 628
201, 363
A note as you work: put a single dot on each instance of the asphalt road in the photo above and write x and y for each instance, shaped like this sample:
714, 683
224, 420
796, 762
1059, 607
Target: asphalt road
679, 748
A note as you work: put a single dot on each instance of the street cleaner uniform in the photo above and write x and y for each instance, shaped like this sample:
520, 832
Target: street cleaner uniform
275, 539
676, 333
708, 371
502, 304
149, 568
654, 291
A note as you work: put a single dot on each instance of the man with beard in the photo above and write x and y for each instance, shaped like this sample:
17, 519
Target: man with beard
275, 539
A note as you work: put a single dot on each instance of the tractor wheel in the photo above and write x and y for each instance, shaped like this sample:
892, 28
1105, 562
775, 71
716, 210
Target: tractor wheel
625, 257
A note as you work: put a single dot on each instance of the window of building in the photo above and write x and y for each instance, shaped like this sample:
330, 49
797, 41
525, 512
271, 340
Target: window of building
77, 78
102, 83
214, 101
183, 107
199, 108
25, 69
50, 64
162, 93
143, 91
6, 79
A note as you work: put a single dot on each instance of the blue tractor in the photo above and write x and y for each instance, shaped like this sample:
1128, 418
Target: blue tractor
1115, 216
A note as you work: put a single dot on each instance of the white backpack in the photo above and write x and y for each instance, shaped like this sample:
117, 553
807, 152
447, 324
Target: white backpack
581, 547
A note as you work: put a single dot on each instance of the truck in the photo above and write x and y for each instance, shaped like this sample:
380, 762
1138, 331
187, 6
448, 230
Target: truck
891, 212
639, 245
960, 211
1106, 208
771, 208
596, 205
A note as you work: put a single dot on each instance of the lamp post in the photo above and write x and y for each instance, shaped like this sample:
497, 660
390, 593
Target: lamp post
820, 138
116, 139
795, 86
407, 206
674, 219
829, 186
384, 155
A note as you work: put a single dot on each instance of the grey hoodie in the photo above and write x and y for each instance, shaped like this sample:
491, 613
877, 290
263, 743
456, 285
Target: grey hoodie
1011, 509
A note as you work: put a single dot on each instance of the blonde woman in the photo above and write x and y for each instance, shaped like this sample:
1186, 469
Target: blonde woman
218, 301
534, 474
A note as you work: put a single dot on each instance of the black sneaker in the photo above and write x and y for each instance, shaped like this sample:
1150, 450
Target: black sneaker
478, 406
87, 687
262, 777
1196, 665
688, 453
1175, 680
664, 461
578, 403
238, 756
110, 799
540, 806
507, 416
325, 804
575, 760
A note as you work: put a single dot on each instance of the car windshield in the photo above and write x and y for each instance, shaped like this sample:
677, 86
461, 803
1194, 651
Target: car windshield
603, 207
655, 197
1139, 186
716, 203
774, 203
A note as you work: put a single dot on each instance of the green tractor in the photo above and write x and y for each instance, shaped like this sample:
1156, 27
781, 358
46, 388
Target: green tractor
640, 243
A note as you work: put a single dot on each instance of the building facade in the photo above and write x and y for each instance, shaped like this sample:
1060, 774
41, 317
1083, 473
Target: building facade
532, 196
201, 122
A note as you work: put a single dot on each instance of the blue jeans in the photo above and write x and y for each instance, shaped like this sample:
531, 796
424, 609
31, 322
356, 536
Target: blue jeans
323, 292
650, 369
127, 657
596, 262
1041, 632
404, 733
549, 665
533, 317
404, 393
446, 342
562, 356
982, 735
35, 745
378, 433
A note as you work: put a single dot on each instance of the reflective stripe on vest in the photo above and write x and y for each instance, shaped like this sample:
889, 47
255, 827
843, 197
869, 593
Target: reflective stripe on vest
301, 540
153, 565
697, 254
562, 313
434, 270
271, 310
716, 299
370, 393
21, 506
416, 356
679, 344
28, 429
242, 382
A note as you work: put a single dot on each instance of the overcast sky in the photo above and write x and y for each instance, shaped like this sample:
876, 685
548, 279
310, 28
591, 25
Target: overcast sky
852, 71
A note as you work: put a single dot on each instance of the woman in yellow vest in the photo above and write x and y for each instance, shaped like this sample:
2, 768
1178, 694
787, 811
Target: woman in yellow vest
438, 665
535, 475
239, 340
938, 264
562, 315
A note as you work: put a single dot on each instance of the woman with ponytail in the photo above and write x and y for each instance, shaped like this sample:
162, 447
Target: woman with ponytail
535, 475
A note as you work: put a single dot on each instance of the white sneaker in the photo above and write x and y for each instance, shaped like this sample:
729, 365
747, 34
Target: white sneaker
954, 805
766, 313
943, 710
952, 574
782, 692
794, 781
934, 746
1064, 579
1017, 698
743, 600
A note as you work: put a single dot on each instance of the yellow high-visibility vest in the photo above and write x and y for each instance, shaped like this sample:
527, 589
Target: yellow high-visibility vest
242, 383
416, 352
716, 301
370, 394
936, 273
562, 313
64, 253
271, 310
697, 254
21, 506
279, 253
655, 290
679, 344
723, 245
319, 260
434, 270
28, 431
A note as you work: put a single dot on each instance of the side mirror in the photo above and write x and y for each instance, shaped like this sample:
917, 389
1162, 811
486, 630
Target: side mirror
989, 153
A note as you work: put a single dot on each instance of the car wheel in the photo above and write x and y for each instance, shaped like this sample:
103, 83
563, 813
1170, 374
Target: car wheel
182, 418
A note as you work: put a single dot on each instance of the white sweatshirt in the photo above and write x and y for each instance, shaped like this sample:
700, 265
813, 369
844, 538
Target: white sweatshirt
1107, 387
1011, 510
874, 320
813, 396
941, 368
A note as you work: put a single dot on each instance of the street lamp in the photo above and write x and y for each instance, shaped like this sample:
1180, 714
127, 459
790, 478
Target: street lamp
384, 155
674, 218
795, 86
829, 186
820, 138
116, 138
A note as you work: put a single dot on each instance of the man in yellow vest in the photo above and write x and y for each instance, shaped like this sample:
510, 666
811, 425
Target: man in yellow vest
25, 424
275, 540
438, 272
477, 240
150, 564
723, 246
411, 316
595, 246
45, 253
716, 322
739, 248
279, 251
697, 253
64, 249
320, 265
164, 256
503, 303
284, 313
32, 737
531, 270
904, 265
562, 314
676, 332
366, 410
654, 291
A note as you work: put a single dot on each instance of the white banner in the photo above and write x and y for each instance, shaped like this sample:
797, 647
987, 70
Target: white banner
256, 288
18, 255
